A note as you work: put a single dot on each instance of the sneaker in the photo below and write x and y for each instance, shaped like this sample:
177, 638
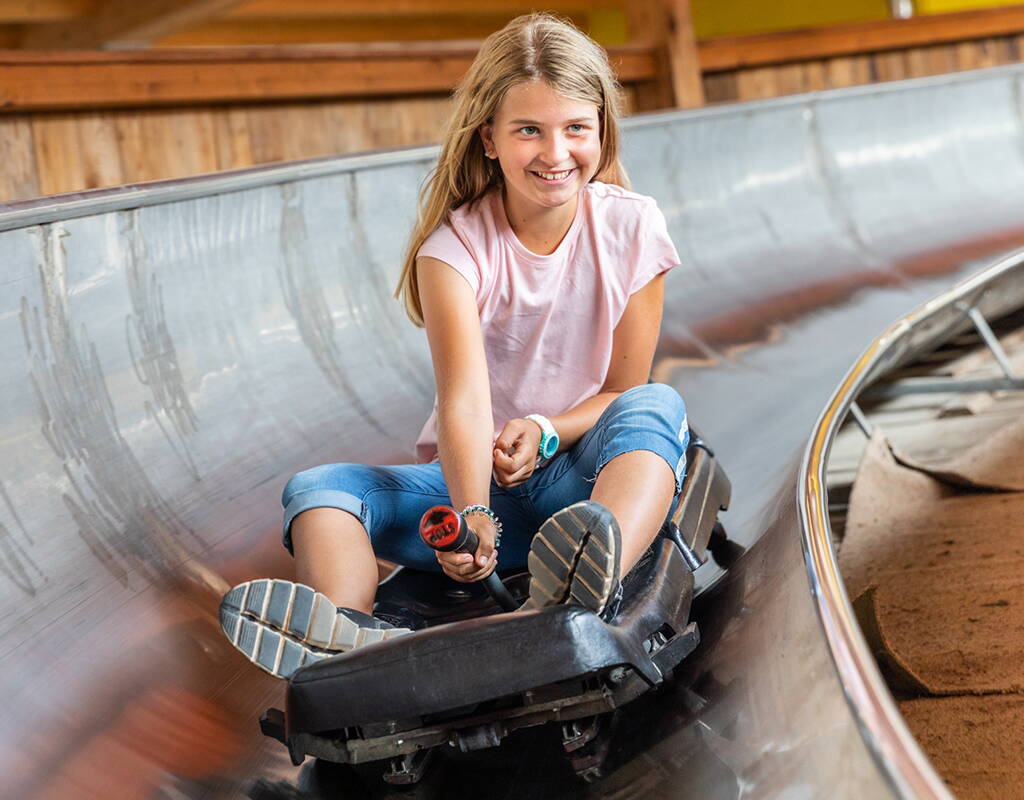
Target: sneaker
574, 558
281, 626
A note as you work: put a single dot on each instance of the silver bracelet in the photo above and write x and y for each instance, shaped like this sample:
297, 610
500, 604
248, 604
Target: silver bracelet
480, 509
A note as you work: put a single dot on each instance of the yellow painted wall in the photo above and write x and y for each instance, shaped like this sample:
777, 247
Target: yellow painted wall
943, 6
738, 17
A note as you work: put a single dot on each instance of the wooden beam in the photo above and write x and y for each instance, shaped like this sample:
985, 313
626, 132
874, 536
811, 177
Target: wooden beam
241, 32
33, 81
729, 53
257, 9
30, 11
684, 66
668, 25
125, 22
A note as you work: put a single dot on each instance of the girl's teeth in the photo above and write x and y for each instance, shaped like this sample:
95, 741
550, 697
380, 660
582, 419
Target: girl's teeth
554, 176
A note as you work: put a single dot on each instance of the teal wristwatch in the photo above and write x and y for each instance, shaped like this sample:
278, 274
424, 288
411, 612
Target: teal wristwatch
548, 438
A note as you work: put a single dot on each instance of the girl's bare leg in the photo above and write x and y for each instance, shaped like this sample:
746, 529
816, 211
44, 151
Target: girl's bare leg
334, 556
637, 487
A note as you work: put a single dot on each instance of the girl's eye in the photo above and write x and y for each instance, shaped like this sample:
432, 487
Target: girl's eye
577, 128
529, 130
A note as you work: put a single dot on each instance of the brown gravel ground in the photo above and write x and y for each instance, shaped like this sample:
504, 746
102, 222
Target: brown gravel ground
975, 742
937, 573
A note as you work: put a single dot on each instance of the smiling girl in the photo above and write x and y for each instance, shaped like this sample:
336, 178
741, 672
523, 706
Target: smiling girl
539, 279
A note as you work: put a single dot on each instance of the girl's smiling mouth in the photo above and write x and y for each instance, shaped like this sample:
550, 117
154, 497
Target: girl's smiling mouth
553, 177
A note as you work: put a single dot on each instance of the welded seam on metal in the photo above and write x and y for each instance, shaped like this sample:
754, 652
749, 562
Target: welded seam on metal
892, 745
63, 207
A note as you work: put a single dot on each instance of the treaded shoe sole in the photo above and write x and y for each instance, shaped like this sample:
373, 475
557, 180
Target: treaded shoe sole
574, 558
280, 625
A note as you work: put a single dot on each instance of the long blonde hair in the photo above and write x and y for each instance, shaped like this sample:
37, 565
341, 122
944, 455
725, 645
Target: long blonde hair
533, 47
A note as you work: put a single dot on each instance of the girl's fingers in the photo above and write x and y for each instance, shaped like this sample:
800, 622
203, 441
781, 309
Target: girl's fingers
464, 567
502, 457
520, 475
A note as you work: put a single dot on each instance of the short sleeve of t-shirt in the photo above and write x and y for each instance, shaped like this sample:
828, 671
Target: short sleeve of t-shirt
656, 253
445, 245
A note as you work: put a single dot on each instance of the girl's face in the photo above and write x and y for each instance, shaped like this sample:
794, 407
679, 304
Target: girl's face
548, 146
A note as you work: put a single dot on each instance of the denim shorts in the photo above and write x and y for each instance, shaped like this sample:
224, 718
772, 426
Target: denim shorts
389, 500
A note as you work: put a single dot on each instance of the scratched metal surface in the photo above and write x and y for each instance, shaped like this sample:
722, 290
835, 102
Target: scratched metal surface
174, 352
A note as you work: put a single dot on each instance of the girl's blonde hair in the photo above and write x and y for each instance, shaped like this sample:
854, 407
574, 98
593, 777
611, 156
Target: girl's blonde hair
534, 47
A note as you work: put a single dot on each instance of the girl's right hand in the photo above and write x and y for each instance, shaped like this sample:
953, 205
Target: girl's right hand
470, 567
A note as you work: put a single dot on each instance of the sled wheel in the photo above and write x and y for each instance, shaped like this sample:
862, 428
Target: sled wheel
586, 743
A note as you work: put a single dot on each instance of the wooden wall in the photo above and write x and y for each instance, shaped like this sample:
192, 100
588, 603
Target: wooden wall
74, 121
754, 83
757, 67
53, 152
87, 120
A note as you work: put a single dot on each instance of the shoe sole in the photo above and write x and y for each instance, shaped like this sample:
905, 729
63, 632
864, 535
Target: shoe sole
574, 558
281, 625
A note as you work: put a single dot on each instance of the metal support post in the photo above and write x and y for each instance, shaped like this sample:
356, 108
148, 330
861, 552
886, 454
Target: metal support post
992, 342
861, 420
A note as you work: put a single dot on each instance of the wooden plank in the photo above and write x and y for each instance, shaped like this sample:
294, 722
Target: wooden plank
58, 165
977, 55
684, 63
940, 59
732, 52
158, 144
720, 87
851, 71
82, 80
815, 78
645, 24
789, 79
29, 11
891, 66
232, 138
427, 117
285, 30
257, 9
667, 26
346, 121
130, 21
99, 150
757, 83
267, 133
18, 178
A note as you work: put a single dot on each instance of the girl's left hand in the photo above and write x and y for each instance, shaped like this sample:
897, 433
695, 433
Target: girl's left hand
515, 452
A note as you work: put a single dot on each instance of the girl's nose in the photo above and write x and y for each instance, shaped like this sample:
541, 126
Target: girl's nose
556, 150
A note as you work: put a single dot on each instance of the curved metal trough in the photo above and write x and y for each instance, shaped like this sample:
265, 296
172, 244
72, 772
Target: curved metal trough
173, 352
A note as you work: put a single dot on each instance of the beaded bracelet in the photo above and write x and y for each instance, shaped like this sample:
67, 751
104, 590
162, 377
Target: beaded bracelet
480, 509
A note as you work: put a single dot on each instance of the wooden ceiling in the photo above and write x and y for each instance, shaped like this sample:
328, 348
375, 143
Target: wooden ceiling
120, 24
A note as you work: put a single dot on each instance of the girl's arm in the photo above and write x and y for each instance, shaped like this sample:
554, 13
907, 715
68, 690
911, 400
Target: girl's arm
633, 344
465, 425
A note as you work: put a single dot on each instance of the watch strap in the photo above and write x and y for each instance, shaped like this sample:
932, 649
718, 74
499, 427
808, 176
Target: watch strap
548, 437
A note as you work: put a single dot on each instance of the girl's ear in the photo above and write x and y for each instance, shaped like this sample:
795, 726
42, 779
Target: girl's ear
487, 137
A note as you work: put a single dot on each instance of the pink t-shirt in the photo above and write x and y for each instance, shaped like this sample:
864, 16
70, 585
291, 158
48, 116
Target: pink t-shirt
547, 321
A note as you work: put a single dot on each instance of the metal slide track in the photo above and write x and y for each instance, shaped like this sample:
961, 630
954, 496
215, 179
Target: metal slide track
173, 352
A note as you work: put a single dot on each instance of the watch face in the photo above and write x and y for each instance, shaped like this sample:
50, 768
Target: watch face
548, 446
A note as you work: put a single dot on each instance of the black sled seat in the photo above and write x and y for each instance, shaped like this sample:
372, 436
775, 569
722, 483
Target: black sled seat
474, 681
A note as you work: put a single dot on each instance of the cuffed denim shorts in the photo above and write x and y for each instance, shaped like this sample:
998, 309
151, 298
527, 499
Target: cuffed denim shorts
389, 500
